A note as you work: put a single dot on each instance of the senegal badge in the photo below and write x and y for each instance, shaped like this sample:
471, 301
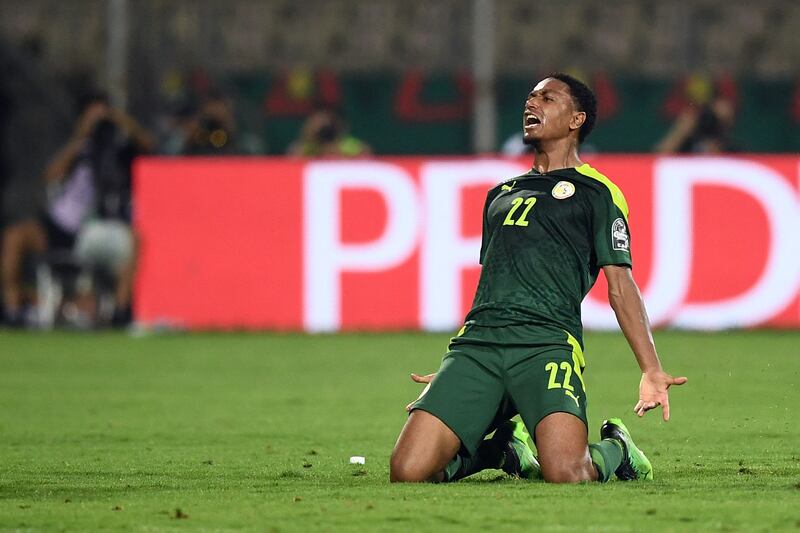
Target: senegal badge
563, 190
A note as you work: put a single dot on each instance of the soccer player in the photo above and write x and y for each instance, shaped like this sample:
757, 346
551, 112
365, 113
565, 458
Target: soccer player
546, 235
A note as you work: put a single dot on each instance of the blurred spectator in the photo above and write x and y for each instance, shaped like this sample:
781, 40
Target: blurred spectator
89, 211
176, 128
211, 130
34, 118
701, 128
325, 134
21, 239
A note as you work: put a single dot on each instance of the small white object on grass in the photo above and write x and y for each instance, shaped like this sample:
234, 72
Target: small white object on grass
357, 460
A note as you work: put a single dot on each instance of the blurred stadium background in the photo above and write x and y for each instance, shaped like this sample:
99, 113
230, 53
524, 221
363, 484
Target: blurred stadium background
320, 166
417, 78
276, 59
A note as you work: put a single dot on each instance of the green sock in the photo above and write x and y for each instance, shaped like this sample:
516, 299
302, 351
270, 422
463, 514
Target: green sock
606, 456
487, 456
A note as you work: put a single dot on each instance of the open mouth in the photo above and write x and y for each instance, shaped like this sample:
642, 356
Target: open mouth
532, 120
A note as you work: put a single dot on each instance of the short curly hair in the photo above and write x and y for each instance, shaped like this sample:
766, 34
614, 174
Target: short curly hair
584, 99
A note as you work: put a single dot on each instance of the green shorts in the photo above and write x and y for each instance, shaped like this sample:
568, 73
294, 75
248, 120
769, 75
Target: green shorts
482, 383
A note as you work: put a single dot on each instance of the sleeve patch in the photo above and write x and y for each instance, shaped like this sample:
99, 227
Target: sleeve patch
619, 235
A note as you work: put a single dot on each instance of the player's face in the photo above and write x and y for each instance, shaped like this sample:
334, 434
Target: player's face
549, 112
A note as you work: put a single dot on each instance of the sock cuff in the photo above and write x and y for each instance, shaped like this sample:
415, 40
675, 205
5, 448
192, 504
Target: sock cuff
599, 463
451, 470
606, 456
617, 443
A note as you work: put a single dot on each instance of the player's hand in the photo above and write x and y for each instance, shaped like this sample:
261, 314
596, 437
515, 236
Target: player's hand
421, 379
653, 392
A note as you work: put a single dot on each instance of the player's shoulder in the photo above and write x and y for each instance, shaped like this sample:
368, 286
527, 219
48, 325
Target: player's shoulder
592, 177
598, 181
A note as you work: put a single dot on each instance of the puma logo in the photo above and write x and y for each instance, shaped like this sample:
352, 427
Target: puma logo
569, 393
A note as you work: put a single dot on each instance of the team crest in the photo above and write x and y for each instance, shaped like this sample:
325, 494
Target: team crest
563, 190
619, 236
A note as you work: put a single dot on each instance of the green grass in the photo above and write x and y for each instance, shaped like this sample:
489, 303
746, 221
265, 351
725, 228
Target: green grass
254, 432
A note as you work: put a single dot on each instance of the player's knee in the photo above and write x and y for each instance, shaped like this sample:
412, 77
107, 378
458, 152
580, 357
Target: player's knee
404, 470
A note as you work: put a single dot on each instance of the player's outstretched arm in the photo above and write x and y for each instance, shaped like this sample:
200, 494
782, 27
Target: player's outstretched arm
628, 305
421, 379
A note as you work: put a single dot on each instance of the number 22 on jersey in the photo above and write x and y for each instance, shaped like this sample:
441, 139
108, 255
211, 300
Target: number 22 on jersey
523, 218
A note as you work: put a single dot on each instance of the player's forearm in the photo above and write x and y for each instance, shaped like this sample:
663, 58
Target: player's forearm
628, 305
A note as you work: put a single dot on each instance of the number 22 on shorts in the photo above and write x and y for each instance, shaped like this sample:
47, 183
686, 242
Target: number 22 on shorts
552, 367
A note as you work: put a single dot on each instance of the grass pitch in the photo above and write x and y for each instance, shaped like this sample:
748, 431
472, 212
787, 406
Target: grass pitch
246, 431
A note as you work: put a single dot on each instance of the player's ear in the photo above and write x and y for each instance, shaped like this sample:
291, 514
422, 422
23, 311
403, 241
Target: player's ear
577, 120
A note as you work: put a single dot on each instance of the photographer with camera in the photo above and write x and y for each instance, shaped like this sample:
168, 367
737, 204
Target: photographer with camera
325, 134
701, 128
211, 129
89, 210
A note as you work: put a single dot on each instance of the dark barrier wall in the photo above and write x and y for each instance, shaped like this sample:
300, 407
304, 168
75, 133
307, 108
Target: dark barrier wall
419, 113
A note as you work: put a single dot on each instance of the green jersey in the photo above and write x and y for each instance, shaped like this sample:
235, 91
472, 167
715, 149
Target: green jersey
545, 237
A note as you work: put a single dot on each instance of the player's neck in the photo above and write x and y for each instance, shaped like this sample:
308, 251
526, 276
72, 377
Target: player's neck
556, 155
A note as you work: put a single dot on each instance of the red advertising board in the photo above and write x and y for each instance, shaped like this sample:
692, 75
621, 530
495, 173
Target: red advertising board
392, 243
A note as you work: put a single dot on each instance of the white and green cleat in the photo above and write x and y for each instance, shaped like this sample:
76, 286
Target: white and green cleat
635, 464
518, 457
